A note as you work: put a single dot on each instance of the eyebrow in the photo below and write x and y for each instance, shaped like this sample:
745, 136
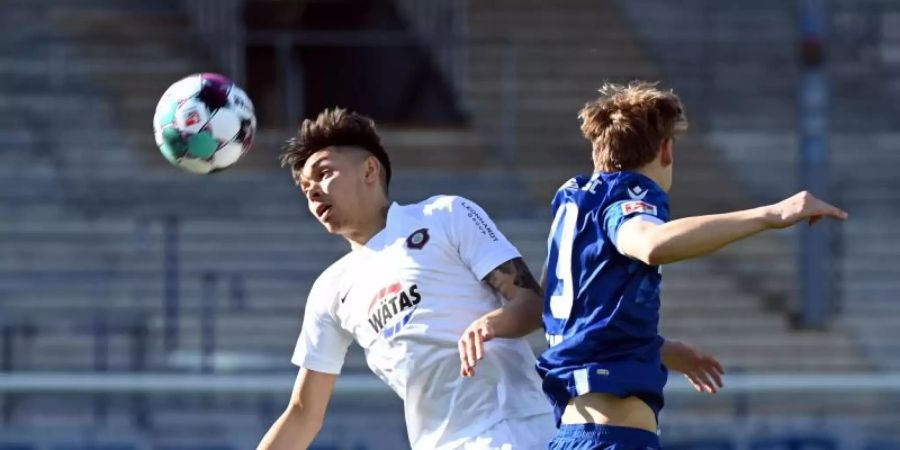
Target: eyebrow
315, 165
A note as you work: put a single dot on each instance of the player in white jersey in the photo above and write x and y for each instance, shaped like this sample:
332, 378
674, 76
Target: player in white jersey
418, 277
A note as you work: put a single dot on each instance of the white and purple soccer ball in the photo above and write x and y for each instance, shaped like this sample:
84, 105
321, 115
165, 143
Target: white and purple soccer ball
204, 123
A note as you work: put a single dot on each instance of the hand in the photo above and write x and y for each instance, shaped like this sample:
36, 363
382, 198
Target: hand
702, 370
471, 345
801, 206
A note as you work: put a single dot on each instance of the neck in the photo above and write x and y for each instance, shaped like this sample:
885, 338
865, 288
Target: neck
648, 171
654, 175
368, 227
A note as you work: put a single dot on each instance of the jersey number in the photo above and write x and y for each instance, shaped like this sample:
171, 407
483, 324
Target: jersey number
562, 237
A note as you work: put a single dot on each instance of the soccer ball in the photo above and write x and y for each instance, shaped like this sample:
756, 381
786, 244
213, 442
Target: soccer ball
204, 123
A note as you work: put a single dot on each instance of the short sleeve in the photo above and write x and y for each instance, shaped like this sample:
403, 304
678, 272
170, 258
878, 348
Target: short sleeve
322, 344
646, 203
482, 247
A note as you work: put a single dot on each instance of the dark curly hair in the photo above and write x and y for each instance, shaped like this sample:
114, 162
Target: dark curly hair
334, 127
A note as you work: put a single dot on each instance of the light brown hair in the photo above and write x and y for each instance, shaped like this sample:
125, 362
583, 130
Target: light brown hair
627, 124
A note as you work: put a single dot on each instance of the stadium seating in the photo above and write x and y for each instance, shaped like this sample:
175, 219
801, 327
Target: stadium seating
862, 119
84, 195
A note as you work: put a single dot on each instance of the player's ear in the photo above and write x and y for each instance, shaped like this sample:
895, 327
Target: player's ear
371, 170
666, 157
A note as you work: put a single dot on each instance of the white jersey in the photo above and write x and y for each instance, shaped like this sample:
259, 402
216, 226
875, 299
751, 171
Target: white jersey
406, 297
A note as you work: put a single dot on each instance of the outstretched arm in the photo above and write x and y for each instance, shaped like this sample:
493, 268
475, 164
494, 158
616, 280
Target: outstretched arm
518, 317
654, 243
301, 421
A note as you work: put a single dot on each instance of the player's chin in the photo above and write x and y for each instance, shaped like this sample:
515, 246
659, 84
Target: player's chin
330, 227
328, 221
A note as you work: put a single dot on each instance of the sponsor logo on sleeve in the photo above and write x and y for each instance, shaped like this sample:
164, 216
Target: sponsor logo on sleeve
479, 222
638, 206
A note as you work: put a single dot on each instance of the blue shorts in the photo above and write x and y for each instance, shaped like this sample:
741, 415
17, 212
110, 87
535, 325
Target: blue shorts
591, 436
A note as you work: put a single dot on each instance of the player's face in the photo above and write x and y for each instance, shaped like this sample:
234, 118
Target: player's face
333, 182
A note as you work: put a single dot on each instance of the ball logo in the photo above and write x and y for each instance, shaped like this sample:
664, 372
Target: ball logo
193, 118
417, 239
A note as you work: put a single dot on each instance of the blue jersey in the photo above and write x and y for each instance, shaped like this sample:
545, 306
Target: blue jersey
601, 308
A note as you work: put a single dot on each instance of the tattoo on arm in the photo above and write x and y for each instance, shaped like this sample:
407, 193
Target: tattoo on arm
514, 271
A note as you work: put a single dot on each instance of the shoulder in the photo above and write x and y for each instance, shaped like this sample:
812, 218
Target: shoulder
568, 190
573, 184
442, 206
632, 193
633, 186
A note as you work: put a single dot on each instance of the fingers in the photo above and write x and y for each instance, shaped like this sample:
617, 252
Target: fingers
701, 378
826, 210
697, 386
838, 214
720, 369
717, 382
817, 209
835, 213
707, 377
464, 368
471, 349
717, 372
479, 345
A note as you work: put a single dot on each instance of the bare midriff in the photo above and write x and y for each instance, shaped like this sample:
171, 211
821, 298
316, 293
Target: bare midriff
607, 409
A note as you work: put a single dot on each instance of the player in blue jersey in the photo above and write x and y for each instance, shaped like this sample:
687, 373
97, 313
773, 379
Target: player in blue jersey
611, 232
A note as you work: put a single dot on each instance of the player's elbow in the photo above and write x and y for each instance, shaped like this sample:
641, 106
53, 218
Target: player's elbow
642, 241
655, 256
650, 253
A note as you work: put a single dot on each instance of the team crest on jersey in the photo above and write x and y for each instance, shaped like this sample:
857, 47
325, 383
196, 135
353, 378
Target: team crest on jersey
392, 307
637, 193
418, 239
638, 206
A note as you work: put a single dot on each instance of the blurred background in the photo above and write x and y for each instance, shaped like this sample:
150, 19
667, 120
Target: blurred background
142, 307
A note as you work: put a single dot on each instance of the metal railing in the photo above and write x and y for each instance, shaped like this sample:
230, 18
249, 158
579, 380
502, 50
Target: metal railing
844, 410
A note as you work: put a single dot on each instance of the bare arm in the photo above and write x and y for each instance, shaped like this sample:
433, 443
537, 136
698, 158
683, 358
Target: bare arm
302, 419
691, 237
522, 313
518, 317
